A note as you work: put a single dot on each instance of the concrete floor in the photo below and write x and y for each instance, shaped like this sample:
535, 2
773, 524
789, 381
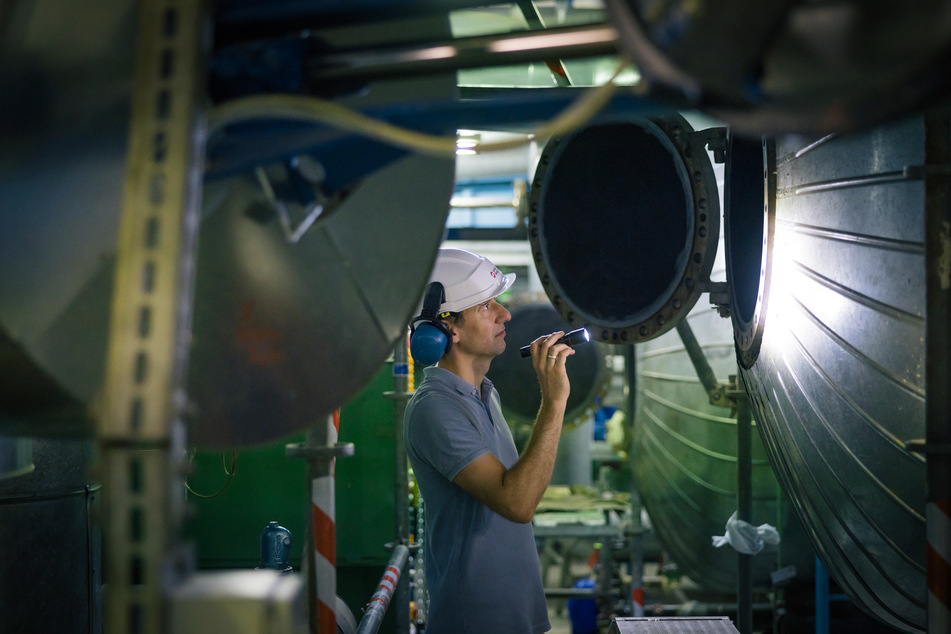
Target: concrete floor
559, 624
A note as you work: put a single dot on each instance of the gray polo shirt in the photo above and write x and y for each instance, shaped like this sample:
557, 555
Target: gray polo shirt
482, 569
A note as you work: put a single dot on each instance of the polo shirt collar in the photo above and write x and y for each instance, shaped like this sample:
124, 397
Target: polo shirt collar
455, 381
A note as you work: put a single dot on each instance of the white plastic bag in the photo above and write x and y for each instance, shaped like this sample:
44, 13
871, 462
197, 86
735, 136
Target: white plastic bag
746, 538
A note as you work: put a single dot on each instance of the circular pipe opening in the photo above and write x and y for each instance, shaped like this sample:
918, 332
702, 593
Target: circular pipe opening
621, 219
750, 179
629, 215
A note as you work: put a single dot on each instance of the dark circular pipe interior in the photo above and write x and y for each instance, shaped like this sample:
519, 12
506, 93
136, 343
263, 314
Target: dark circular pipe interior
745, 226
615, 229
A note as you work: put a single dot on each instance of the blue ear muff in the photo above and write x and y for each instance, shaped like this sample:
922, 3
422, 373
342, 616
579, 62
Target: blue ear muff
430, 339
429, 343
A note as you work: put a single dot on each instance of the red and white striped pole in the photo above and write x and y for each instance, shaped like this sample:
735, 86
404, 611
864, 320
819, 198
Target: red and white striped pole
637, 600
325, 532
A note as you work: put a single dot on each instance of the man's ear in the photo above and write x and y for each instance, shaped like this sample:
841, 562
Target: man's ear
452, 330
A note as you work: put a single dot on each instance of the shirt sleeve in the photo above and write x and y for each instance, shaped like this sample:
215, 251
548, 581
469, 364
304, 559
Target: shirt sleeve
441, 433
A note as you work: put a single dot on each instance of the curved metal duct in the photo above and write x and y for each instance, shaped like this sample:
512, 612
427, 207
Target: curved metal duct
837, 383
283, 332
286, 332
617, 220
792, 65
515, 378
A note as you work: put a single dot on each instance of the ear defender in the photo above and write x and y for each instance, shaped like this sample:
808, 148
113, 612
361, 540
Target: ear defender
430, 340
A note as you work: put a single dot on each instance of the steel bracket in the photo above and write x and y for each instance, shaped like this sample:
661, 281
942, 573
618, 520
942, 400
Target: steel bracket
719, 296
318, 454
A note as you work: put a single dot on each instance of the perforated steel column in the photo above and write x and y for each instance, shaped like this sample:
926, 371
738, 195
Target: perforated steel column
140, 429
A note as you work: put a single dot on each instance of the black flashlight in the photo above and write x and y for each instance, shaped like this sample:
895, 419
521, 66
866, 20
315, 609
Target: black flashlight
573, 338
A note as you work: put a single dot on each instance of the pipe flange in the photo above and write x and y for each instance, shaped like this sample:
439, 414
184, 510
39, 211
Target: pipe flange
623, 222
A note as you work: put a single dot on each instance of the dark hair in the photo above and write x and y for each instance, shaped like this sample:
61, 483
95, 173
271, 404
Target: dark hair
454, 318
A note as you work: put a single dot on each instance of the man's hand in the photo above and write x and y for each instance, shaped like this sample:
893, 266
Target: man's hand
548, 358
514, 493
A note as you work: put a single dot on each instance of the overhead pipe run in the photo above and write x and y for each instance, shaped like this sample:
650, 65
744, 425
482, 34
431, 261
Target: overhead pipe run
564, 42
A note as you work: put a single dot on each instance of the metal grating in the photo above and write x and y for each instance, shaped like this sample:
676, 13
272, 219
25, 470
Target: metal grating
674, 625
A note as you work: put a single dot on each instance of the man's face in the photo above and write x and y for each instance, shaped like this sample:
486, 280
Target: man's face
481, 330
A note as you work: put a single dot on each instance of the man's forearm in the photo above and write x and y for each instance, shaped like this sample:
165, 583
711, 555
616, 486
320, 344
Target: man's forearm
530, 476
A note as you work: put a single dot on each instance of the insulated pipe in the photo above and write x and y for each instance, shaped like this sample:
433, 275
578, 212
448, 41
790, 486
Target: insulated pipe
376, 609
472, 52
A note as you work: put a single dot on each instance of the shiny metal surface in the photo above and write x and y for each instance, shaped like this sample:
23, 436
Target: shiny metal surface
282, 333
685, 463
619, 252
286, 332
64, 125
837, 387
623, 222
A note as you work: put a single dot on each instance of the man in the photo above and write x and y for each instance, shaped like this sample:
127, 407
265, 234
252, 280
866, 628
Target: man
482, 566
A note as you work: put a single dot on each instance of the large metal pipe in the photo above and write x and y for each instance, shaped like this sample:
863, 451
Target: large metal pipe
837, 380
473, 52
657, 197
630, 268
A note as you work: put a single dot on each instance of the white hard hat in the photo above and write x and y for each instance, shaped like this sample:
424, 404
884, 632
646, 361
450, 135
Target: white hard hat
468, 279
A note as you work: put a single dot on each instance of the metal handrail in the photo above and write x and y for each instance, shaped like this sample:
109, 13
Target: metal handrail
376, 608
